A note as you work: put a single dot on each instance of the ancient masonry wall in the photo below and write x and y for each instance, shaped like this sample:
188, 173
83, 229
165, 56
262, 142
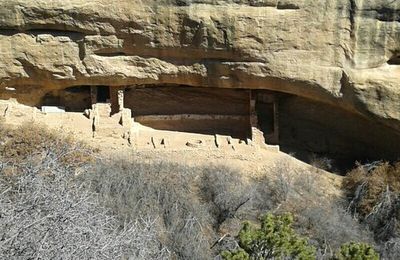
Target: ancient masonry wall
228, 112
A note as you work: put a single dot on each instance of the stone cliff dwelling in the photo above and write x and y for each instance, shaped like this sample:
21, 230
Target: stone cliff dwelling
307, 78
250, 116
175, 116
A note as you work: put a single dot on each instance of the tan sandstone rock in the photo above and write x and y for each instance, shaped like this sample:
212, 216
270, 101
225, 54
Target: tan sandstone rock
344, 53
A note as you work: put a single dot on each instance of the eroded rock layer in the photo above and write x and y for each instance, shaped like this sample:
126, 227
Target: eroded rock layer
342, 53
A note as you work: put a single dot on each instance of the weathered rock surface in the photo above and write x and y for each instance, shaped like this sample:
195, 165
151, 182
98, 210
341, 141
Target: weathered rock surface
341, 52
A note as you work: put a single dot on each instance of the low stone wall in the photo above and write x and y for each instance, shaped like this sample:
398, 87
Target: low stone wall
236, 126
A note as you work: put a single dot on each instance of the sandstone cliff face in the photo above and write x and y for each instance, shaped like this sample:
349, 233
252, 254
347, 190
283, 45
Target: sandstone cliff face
341, 52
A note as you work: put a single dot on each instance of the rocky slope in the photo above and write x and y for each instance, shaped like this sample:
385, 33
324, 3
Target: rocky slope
345, 53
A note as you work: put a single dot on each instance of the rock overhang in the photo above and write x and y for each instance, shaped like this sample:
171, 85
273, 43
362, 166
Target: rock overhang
338, 52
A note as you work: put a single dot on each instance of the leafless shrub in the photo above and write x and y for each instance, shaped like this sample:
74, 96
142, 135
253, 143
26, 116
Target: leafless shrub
384, 217
285, 183
264, 195
35, 148
324, 220
226, 190
374, 191
391, 249
284, 178
45, 213
307, 181
366, 183
330, 226
321, 162
163, 190
50, 216
158, 210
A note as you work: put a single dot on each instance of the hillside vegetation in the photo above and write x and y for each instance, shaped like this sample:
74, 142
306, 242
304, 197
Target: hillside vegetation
60, 198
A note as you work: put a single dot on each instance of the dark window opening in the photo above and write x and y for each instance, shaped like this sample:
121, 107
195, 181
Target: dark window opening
103, 94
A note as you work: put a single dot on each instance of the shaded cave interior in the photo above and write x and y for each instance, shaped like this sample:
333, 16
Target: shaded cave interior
395, 59
300, 126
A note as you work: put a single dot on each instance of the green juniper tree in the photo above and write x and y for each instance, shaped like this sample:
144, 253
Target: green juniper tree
275, 239
357, 251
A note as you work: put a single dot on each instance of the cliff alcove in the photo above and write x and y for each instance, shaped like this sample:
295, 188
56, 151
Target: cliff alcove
203, 66
300, 126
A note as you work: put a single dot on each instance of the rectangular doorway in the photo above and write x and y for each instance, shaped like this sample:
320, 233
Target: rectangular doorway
103, 94
267, 114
